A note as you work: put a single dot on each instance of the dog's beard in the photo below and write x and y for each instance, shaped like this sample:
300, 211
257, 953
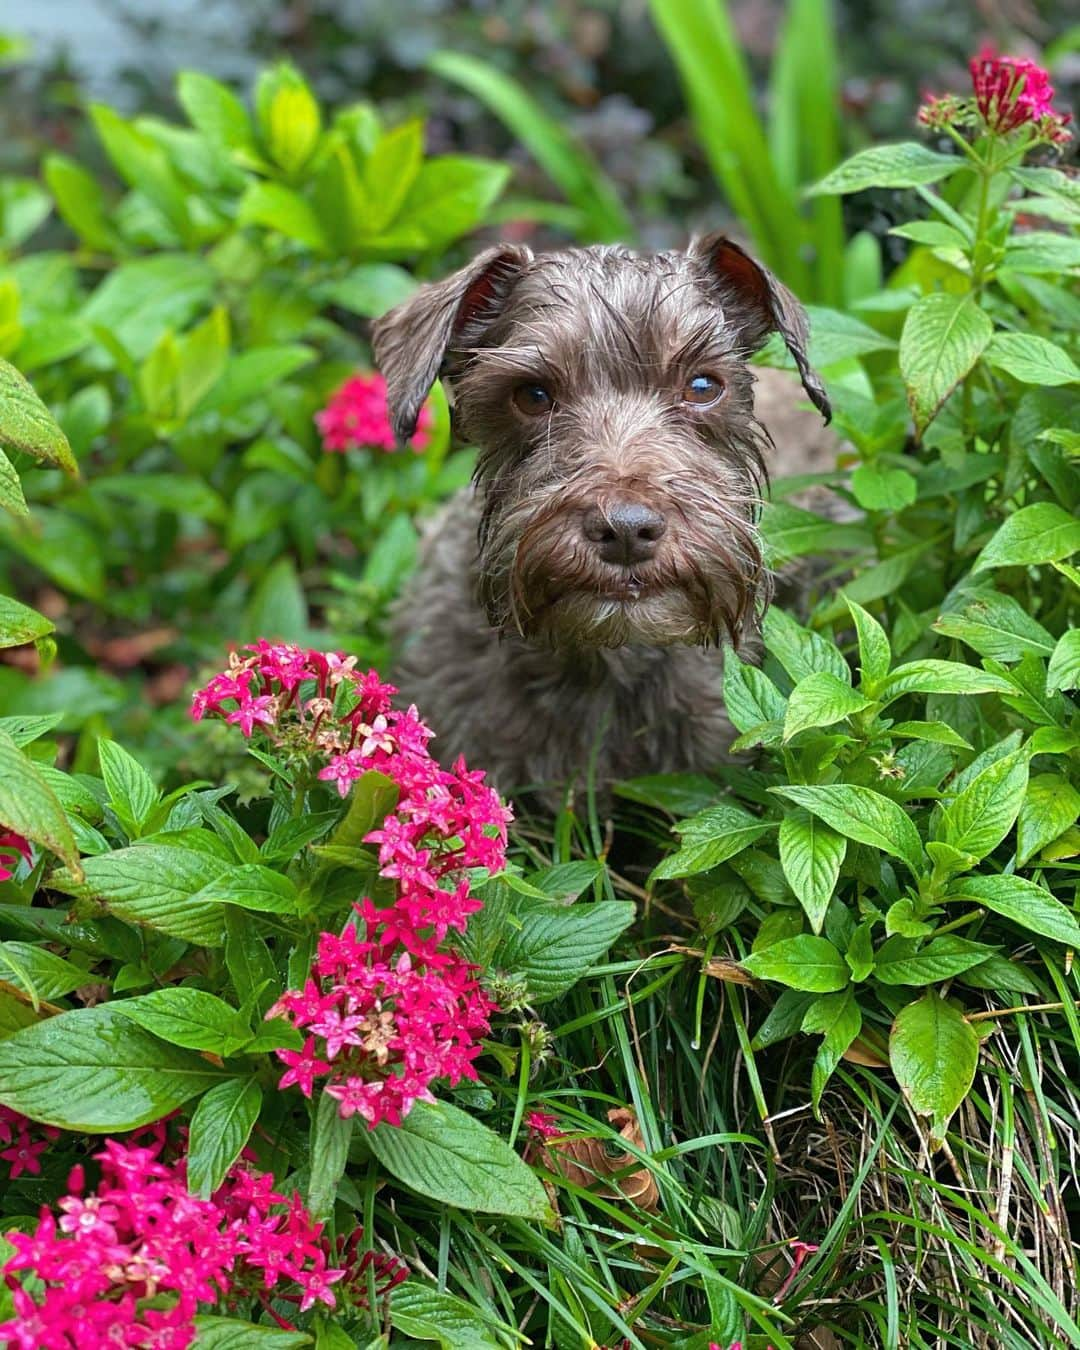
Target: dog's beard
541, 578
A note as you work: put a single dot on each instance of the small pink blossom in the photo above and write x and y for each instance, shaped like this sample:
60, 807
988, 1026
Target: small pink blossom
1010, 91
357, 416
543, 1125
12, 847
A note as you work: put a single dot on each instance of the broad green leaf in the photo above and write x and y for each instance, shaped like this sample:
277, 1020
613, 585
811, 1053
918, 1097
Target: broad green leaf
880, 489
875, 654
936, 732
39, 972
679, 794
251, 886
190, 1018
250, 374
1029, 906
790, 532
220, 1128
556, 945
1051, 805
901, 960
1032, 359
389, 171
1064, 669
444, 1154
566, 881
227, 1333
804, 962
248, 961
940, 677
451, 196
278, 606
426, 1314
329, 1152
710, 838
837, 1018
908, 164
81, 202
811, 854
26, 424
93, 1071
750, 697
860, 952
29, 806
980, 816
944, 335
20, 624
933, 1053
11, 493
995, 625
215, 110
290, 122
154, 884
132, 794
140, 299
370, 289
373, 797
933, 233
279, 208
799, 650
819, 701
862, 814
144, 166
1041, 533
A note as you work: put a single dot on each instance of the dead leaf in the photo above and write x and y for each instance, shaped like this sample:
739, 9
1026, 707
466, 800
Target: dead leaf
584, 1162
864, 1050
132, 649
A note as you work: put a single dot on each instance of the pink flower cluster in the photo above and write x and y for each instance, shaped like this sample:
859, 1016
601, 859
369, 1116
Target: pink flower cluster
1009, 92
129, 1263
387, 1010
12, 847
21, 1149
357, 416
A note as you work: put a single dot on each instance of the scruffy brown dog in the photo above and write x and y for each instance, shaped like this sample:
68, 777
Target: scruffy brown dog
573, 601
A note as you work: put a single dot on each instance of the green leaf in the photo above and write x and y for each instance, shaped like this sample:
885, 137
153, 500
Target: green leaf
710, 838
1064, 669
1031, 359
837, 1018
1041, 533
557, 944
226, 1333
81, 203
862, 814
278, 606
901, 960
329, 1152
279, 208
995, 625
140, 299
190, 1018
370, 289
933, 1053
213, 109
819, 701
93, 1071
811, 854
248, 961
19, 624
144, 166
11, 493
943, 336
373, 797
252, 886
29, 806
750, 697
800, 651
26, 424
875, 654
290, 122
220, 1127
566, 881
936, 732
940, 677
442, 1153
155, 885
39, 972
1029, 906
880, 489
804, 962
1051, 805
908, 164
860, 952
790, 532
980, 817
132, 794
426, 1314
450, 197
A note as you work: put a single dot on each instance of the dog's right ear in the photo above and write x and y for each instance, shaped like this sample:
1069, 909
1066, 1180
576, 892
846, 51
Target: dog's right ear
412, 340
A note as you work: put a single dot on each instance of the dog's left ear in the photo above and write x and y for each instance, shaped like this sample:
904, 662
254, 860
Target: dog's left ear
757, 304
412, 341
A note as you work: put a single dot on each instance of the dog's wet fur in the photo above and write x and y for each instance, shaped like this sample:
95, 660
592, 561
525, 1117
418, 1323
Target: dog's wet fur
573, 602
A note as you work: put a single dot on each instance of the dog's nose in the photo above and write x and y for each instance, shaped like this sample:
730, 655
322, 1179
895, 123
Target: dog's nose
624, 532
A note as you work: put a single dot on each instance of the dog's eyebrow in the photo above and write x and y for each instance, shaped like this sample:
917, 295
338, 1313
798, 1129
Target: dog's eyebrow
528, 362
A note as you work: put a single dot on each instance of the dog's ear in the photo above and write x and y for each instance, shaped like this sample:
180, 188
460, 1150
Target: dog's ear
412, 340
758, 304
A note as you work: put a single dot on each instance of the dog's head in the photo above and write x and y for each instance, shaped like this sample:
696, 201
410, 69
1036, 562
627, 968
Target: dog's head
620, 462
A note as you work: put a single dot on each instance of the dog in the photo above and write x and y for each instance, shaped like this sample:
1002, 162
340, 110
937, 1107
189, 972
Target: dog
570, 607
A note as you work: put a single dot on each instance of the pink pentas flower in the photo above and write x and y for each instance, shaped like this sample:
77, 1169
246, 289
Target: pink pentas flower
1009, 91
357, 417
12, 847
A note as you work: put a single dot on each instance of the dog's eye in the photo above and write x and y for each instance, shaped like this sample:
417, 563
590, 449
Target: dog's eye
533, 400
702, 390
